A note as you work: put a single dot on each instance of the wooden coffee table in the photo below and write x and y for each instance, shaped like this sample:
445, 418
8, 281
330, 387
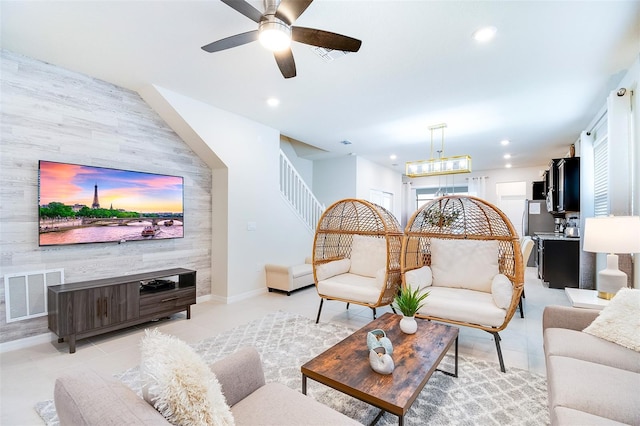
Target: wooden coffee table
345, 366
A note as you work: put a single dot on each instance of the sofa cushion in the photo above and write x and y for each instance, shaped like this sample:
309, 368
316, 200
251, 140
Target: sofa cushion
619, 321
569, 416
301, 270
333, 268
179, 384
457, 304
502, 291
350, 287
418, 278
576, 344
593, 388
469, 264
368, 255
85, 397
294, 408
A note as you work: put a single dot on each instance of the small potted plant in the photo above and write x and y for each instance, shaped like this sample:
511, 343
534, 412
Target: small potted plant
409, 302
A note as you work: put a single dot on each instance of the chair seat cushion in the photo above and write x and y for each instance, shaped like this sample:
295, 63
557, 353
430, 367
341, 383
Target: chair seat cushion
457, 304
356, 288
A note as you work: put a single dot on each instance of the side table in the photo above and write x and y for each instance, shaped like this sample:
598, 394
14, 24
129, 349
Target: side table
583, 298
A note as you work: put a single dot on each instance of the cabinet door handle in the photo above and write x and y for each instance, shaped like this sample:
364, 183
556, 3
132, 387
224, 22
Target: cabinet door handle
105, 308
169, 299
98, 308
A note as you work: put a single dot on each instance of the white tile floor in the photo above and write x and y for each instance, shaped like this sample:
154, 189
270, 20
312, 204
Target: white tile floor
28, 375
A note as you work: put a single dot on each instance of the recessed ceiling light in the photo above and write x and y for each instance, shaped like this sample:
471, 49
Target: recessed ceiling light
506, 156
504, 142
485, 34
392, 157
273, 102
508, 165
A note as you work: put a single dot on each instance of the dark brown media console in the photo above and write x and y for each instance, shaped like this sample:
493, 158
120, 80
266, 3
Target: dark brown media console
88, 308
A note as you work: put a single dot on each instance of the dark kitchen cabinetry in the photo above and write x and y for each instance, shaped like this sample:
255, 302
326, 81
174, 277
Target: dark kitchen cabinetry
538, 190
559, 261
84, 309
569, 185
552, 186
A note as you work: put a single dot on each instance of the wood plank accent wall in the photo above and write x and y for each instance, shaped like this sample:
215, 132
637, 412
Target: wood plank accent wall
49, 113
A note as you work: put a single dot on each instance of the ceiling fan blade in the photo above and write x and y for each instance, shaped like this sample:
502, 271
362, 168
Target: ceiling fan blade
290, 10
233, 41
245, 8
286, 63
325, 39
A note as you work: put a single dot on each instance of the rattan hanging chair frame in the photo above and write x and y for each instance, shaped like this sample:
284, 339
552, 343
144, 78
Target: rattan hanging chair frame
458, 217
334, 238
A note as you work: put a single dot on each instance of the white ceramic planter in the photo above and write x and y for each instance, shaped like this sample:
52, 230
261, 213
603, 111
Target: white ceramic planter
408, 325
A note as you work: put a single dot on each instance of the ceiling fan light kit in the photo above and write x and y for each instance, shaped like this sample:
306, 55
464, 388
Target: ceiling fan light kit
276, 31
275, 35
441, 165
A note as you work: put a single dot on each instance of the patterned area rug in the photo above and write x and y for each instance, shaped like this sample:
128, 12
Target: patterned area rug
481, 395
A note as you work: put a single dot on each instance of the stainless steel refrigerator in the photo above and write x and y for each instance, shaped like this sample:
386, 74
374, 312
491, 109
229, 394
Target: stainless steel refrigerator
536, 218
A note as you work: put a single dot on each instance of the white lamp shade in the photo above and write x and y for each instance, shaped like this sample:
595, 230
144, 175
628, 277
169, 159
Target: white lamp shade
612, 234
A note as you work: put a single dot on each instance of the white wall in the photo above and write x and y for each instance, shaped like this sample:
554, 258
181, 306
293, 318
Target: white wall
247, 193
372, 176
335, 179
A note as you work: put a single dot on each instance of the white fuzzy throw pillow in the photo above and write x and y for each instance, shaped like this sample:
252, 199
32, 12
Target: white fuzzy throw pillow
619, 321
179, 384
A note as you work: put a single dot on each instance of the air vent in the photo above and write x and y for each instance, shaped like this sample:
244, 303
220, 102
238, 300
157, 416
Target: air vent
327, 55
26, 293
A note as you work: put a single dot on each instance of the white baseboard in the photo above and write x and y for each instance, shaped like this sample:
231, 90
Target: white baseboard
239, 297
27, 342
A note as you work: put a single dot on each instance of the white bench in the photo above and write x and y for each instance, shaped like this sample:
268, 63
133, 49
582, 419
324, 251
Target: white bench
289, 278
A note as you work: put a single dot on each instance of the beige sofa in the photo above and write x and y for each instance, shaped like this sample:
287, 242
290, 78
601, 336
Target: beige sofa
590, 381
87, 398
289, 278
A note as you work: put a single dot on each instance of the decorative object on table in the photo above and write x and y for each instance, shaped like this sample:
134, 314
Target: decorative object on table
381, 361
377, 338
409, 301
612, 234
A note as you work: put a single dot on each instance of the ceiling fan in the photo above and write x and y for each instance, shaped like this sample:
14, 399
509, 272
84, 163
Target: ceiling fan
276, 31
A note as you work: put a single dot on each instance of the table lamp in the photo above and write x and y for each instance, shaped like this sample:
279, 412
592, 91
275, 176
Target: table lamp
612, 234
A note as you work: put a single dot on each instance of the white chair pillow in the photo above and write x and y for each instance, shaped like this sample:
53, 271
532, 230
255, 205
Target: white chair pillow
333, 268
368, 255
502, 291
469, 264
419, 278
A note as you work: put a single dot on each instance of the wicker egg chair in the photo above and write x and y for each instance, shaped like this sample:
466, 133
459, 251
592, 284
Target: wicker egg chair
342, 223
466, 218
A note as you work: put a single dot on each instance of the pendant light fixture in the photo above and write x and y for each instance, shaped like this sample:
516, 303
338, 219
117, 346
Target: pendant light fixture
441, 165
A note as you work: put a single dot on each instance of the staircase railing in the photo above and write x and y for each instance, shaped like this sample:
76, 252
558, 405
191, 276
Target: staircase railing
298, 194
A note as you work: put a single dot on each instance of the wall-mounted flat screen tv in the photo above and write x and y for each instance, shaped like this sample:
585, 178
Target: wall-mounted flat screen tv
85, 204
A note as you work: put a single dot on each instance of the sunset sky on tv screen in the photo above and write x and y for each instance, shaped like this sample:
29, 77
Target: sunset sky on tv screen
72, 184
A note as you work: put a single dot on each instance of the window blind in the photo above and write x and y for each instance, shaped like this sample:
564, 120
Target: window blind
601, 177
